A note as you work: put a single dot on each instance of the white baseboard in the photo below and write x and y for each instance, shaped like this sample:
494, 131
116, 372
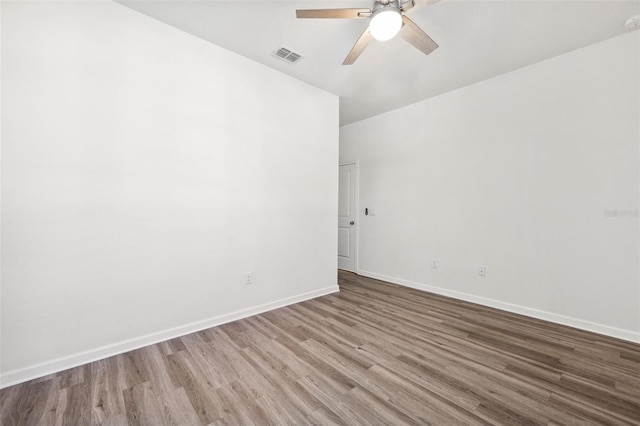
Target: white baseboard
628, 335
43, 369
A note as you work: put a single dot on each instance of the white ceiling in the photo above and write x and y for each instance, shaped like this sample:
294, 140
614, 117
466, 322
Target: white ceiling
478, 40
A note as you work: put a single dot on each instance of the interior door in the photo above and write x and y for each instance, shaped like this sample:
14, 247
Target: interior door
347, 216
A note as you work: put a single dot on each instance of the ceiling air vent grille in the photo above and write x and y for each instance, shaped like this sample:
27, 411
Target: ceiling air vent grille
287, 55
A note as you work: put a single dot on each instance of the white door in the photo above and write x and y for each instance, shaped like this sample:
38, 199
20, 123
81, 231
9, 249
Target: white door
347, 216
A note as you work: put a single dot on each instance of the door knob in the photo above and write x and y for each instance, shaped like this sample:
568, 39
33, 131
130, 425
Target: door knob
352, 223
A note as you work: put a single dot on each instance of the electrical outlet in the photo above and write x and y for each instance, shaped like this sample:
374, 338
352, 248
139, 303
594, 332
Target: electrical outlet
482, 271
248, 278
434, 263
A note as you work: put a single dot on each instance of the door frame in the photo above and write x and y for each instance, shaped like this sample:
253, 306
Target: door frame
357, 195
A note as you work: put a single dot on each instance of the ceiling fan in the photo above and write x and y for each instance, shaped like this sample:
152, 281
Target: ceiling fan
387, 19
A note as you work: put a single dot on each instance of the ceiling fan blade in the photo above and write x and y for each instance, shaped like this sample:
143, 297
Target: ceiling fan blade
412, 34
416, 4
333, 13
357, 48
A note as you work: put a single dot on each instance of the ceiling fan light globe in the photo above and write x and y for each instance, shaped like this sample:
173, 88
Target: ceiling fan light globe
385, 23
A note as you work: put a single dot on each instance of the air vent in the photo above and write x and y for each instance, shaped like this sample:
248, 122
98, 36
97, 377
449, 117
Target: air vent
287, 55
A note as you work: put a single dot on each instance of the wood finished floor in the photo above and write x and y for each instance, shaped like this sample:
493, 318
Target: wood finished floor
375, 353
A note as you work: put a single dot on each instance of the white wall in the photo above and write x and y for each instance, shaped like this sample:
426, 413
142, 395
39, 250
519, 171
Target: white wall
514, 173
144, 171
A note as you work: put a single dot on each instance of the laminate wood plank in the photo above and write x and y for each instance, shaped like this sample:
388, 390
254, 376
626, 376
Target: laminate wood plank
280, 411
171, 346
73, 376
41, 410
312, 362
128, 369
179, 408
106, 397
289, 388
360, 375
156, 366
582, 410
324, 417
335, 402
60, 408
604, 399
77, 408
375, 353
147, 403
383, 409
432, 378
242, 405
203, 358
200, 391
420, 406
